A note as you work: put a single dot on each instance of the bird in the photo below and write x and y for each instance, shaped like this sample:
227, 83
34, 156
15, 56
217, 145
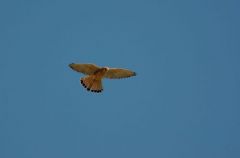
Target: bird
94, 75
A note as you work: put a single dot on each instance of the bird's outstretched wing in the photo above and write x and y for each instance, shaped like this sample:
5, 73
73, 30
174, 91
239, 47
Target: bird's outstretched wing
87, 69
116, 73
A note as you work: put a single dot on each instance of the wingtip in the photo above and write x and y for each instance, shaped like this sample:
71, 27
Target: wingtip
134, 74
70, 65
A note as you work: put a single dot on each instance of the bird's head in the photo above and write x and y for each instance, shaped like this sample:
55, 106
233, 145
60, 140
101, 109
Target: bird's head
105, 68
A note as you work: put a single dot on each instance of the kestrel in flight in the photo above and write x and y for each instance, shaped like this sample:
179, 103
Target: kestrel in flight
94, 75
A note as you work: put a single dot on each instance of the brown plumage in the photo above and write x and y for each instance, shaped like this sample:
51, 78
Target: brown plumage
94, 75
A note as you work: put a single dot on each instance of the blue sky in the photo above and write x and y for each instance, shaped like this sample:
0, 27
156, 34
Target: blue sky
184, 103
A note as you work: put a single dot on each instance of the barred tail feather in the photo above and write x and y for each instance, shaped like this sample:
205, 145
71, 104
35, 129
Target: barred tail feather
97, 86
91, 84
87, 82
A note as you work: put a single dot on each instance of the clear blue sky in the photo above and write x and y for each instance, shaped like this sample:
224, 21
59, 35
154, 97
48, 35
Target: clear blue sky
184, 103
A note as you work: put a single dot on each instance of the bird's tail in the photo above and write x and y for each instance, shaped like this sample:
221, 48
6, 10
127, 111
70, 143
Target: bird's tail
91, 84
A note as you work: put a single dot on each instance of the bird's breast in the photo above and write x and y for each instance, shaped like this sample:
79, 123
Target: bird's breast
99, 74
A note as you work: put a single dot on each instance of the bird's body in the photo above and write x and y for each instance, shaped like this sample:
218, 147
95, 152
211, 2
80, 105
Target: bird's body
99, 74
93, 81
